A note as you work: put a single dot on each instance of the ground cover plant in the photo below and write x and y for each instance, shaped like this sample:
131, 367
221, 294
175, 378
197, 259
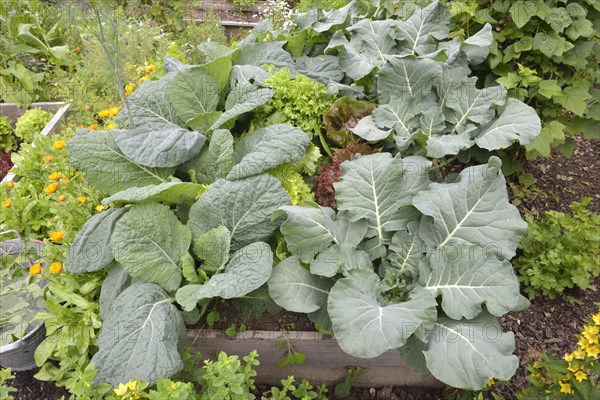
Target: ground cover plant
197, 203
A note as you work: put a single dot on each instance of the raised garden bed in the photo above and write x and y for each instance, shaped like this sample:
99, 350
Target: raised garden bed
325, 362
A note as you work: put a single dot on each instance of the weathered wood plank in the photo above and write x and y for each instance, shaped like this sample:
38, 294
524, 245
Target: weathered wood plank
325, 362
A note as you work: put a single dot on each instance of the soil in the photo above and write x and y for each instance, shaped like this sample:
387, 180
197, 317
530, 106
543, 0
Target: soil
29, 388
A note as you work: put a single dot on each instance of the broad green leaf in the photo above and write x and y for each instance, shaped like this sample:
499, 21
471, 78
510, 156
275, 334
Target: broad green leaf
140, 337
580, 28
214, 161
439, 146
268, 148
98, 156
522, 11
399, 115
370, 46
248, 269
261, 53
406, 250
473, 210
169, 192
203, 122
242, 99
549, 88
466, 105
523, 44
467, 277
559, 19
89, 251
574, 98
244, 207
576, 10
477, 47
552, 134
294, 288
406, 78
550, 44
193, 91
219, 69
418, 31
213, 248
367, 130
149, 242
116, 281
242, 74
375, 186
518, 122
334, 18
150, 104
482, 350
363, 327
160, 146
171, 64
321, 68
319, 232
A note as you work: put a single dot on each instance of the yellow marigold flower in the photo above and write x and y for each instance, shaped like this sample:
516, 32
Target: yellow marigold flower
35, 269
57, 236
565, 388
104, 114
51, 188
62, 197
55, 176
593, 351
6, 203
59, 144
93, 127
56, 267
81, 199
110, 127
580, 376
48, 158
144, 78
114, 111
100, 207
10, 185
129, 88
568, 357
149, 68
579, 354
596, 319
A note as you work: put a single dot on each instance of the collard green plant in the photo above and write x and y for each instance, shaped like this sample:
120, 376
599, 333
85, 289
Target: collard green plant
198, 190
397, 243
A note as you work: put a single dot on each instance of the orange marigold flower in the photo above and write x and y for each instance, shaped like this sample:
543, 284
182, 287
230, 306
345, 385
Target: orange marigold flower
6, 203
48, 158
144, 78
55, 176
35, 269
62, 197
59, 144
149, 68
56, 267
66, 180
57, 236
93, 127
51, 188
81, 199
10, 185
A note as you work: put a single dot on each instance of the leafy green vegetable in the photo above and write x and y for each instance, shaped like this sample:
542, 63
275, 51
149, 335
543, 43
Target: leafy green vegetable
31, 123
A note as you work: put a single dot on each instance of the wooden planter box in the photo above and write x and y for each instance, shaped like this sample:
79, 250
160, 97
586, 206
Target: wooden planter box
325, 362
10, 110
